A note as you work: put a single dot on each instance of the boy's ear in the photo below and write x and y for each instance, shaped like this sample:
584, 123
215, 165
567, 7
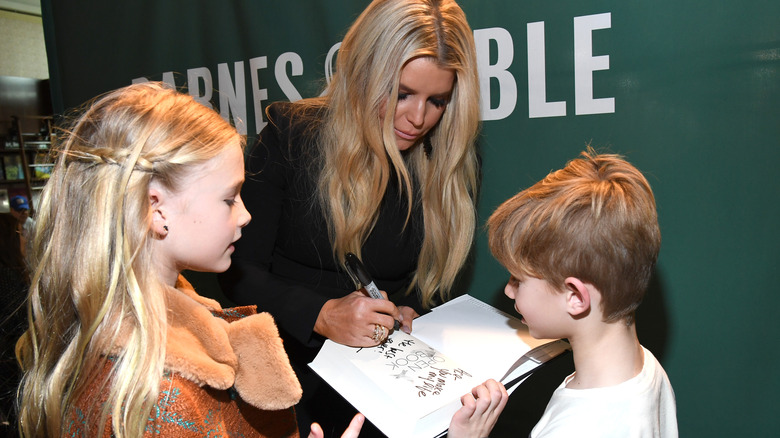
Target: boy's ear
157, 208
577, 296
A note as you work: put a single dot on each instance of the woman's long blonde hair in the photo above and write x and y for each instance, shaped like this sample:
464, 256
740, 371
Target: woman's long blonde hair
359, 152
92, 275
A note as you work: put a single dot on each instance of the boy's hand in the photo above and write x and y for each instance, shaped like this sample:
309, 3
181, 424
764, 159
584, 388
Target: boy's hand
480, 411
353, 430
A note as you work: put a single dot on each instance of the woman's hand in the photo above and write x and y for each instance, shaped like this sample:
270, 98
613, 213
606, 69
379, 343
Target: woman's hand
407, 316
480, 411
352, 430
354, 319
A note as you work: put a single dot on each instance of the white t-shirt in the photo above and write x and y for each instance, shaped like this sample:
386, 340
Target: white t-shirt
28, 227
643, 406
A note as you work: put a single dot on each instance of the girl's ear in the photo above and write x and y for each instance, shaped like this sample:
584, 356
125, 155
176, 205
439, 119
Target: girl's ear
578, 296
157, 208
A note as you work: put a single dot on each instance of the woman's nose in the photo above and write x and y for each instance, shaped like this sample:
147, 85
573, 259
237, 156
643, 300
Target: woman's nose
416, 114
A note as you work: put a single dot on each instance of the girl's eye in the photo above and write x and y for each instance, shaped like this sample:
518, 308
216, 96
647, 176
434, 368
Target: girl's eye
230, 202
402, 96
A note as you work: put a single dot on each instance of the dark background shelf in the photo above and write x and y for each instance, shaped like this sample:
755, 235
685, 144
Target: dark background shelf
25, 118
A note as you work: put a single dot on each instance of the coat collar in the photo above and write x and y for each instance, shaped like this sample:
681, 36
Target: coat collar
246, 354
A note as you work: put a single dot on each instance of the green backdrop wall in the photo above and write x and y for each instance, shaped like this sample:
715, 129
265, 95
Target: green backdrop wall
688, 91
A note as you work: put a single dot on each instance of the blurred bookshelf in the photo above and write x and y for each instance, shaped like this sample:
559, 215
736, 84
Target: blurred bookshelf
26, 137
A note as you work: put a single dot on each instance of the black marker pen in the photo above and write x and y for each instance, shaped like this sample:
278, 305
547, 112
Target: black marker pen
359, 272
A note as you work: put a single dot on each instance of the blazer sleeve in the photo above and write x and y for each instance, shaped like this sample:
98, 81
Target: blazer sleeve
250, 280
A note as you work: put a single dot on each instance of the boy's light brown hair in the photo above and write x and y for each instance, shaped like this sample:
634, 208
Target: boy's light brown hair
595, 220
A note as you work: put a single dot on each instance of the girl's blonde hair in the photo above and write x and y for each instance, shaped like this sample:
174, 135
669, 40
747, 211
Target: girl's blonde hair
92, 271
359, 152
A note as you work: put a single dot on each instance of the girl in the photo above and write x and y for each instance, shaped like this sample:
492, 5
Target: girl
146, 184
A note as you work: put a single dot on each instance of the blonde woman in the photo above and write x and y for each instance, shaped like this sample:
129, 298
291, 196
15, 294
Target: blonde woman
147, 183
384, 166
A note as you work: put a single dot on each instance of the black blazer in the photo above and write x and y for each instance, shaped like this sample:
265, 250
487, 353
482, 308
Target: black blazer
284, 262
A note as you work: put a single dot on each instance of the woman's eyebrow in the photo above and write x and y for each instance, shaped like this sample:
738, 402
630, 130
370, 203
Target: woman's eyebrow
409, 90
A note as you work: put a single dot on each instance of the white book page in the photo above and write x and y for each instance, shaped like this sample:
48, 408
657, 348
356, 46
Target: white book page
487, 340
393, 386
414, 375
411, 385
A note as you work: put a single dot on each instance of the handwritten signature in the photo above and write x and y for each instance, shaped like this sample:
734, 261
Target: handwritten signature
435, 381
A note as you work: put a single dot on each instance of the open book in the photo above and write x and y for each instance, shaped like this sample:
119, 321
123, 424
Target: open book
410, 386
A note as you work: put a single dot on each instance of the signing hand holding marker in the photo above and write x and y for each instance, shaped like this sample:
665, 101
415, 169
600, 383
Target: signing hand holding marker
360, 275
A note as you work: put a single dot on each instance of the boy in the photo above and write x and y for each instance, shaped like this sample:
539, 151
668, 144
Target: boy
20, 209
580, 246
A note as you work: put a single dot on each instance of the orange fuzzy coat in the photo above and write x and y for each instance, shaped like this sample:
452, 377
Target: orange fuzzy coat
227, 374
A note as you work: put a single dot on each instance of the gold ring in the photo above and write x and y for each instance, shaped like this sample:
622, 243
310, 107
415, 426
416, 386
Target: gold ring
380, 333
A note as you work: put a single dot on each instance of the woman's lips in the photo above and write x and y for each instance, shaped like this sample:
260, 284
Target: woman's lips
406, 136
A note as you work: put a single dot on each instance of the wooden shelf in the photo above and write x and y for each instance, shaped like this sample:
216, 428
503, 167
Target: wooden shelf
29, 163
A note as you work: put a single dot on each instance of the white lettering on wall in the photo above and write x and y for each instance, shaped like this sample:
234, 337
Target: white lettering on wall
537, 76
280, 70
232, 100
329, 61
202, 95
232, 95
507, 85
167, 79
585, 64
259, 95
